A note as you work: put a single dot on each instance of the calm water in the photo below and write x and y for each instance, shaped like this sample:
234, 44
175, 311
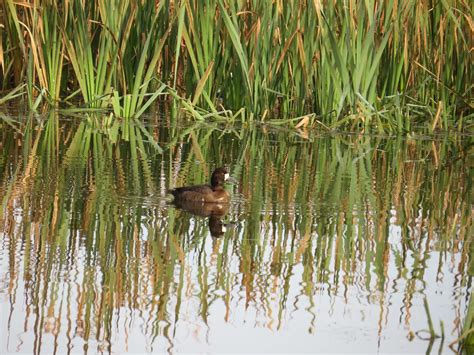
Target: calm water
331, 243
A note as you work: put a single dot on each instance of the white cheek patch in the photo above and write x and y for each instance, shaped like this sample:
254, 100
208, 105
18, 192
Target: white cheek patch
224, 229
226, 176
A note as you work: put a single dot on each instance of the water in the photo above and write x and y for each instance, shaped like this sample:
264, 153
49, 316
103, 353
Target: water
332, 243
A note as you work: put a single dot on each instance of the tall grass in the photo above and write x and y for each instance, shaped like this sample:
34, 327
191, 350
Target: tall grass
386, 65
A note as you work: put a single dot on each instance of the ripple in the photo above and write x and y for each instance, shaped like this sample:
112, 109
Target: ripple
321, 234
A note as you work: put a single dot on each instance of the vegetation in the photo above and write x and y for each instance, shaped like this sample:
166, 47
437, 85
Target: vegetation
388, 65
88, 237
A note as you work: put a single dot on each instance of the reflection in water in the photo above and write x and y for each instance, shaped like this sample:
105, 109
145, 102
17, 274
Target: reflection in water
214, 211
217, 227
339, 239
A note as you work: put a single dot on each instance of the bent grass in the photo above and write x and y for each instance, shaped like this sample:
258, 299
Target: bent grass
385, 65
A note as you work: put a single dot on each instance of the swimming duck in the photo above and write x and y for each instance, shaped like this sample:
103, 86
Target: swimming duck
213, 193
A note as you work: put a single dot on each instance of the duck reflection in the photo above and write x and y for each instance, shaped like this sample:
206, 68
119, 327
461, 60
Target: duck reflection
215, 212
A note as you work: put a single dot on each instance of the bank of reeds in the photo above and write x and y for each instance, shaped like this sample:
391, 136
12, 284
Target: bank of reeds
390, 65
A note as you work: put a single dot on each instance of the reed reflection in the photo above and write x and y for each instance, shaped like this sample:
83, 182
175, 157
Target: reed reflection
333, 231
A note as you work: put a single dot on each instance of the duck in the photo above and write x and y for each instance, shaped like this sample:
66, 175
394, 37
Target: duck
213, 193
202, 209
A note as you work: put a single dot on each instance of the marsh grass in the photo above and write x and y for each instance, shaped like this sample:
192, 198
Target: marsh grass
385, 65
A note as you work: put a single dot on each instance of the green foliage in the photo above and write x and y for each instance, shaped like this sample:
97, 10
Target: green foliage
383, 65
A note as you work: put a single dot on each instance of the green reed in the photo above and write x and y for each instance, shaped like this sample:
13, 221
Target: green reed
385, 65
467, 337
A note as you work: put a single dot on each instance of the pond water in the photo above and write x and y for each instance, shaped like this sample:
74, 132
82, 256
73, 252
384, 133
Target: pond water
332, 243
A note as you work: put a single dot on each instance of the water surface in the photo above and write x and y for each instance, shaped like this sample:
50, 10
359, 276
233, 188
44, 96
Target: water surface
332, 243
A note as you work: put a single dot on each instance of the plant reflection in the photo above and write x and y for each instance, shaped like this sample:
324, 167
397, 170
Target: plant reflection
327, 226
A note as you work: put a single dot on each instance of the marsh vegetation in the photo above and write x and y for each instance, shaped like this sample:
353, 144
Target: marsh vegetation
388, 66
347, 124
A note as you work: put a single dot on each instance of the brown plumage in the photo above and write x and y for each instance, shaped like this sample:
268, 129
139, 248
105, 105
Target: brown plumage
213, 193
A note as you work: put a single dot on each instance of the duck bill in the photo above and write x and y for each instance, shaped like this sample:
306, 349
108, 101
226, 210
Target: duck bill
231, 180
